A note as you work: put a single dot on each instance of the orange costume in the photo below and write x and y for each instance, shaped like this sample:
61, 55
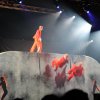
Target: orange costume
76, 70
59, 63
37, 41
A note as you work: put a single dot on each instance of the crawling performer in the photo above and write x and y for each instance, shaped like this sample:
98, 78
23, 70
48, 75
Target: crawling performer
59, 63
3, 84
37, 41
76, 70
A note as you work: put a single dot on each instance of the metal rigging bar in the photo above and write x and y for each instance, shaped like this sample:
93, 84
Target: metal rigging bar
22, 7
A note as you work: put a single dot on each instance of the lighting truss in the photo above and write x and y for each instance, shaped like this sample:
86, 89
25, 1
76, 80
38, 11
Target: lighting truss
27, 8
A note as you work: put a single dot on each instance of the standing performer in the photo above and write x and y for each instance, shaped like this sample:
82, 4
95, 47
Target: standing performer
37, 41
95, 87
3, 84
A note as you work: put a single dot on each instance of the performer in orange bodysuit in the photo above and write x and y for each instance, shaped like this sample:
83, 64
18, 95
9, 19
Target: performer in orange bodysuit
59, 63
37, 41
76, 70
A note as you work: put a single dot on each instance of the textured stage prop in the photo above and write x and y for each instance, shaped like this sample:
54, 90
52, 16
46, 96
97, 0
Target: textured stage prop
32, 76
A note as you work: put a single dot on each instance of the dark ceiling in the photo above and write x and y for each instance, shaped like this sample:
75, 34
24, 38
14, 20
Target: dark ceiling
16, 22
78, 6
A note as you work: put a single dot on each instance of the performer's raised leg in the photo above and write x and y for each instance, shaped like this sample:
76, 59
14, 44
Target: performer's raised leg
39, 47
33, 47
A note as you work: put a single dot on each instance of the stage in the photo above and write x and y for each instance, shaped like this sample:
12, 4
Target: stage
32, 76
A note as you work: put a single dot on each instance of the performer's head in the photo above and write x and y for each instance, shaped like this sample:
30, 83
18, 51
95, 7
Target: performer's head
40, 28
2, 78
66, 56
80, 63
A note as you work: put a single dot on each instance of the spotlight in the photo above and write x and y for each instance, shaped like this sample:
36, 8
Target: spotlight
73, 17
87, 11
20, 2
91, 41
60, 11
58, 7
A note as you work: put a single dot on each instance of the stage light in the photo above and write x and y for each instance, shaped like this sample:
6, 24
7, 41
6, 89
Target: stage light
91, 41
87, 11
85, 28
69, 21
60, 11
73, 17
20, 2
58, 7
91, 17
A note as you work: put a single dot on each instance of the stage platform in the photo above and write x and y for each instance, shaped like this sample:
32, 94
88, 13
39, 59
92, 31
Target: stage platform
31, 76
